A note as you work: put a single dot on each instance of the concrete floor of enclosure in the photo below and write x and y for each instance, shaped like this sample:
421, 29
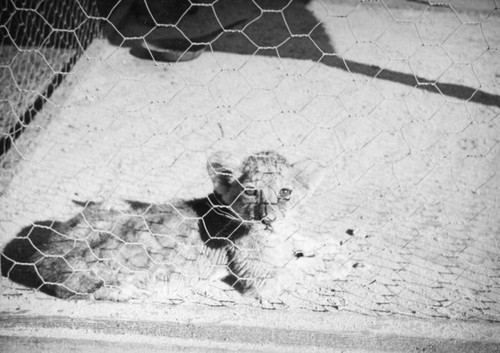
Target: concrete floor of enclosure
414, 172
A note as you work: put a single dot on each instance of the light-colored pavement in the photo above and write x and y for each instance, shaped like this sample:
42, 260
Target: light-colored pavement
414, 172
200, 328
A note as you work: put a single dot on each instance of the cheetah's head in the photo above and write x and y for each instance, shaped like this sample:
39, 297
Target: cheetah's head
265, 186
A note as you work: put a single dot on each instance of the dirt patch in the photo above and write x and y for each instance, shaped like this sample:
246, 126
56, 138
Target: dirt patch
407, 216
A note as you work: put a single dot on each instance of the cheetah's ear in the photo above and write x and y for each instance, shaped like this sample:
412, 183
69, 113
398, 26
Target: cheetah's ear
222, 168
309, 174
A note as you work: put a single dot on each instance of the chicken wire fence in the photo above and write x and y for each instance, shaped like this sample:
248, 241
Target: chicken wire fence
398, 103
40, 41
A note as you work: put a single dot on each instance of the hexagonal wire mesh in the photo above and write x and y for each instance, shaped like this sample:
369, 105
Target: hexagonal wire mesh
393, 104
40, 41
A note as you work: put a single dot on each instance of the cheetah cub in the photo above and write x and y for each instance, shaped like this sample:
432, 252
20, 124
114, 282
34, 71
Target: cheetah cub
239, 234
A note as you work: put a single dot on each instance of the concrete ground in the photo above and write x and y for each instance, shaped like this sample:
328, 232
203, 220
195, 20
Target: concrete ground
412, 169
130, 327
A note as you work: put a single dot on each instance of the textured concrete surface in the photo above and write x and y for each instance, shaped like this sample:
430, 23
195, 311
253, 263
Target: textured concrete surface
413, 169
196, 328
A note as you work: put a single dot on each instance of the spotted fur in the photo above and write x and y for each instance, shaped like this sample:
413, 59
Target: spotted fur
131, 253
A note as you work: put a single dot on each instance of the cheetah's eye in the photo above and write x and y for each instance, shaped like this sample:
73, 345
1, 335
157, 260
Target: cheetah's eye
285, 193
250, 191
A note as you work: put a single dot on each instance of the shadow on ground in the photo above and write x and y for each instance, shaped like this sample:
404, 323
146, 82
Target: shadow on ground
275, 28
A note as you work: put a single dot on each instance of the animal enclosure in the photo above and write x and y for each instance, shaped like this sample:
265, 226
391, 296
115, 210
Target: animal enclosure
399, 101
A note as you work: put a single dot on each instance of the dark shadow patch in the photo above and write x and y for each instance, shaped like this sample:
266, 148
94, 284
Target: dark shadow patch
235, 283
85, 203
298, 254
447, 89
218, 224
20, 255
293, 33
138, 205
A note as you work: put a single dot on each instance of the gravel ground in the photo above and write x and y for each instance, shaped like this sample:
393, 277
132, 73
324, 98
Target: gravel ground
413, 172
